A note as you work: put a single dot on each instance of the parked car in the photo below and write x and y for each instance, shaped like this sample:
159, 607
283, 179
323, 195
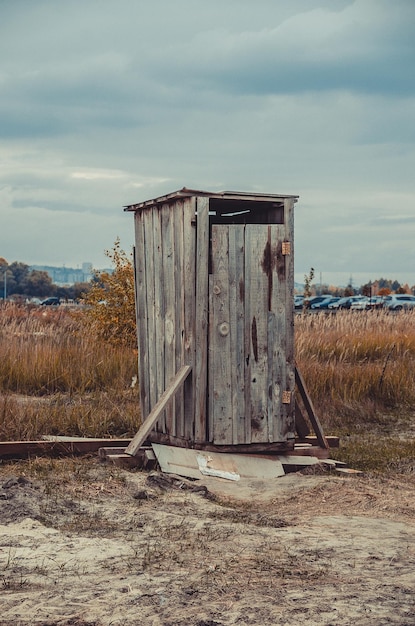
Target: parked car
344, 303
315, 300
324, 304
399, 301
360, 303
298, 302
376, 302
50, 302
33, 301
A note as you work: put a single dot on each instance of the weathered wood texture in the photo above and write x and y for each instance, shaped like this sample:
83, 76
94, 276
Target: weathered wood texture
214, 285
154, 416
56, 446
251, 372
164, 269
201, 319
315, 422
301, 425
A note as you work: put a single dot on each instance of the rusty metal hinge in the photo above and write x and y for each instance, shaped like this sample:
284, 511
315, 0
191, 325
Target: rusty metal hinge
286, 397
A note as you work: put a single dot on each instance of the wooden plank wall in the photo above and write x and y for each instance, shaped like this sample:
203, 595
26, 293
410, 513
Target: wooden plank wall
289, 421
234, 394
201, 319
142, 314
256, 331
221, 357
165, 277
227, 414
251, 364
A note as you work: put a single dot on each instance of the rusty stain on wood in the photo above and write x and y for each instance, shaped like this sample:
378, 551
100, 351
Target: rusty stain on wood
254, 335
242, 290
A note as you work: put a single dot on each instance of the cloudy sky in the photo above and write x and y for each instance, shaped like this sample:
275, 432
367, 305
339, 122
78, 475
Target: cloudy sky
105, 103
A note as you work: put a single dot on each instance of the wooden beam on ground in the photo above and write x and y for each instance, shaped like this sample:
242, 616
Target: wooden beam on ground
315, 422
56, 446
144, 458
240, 448
332, 440
318, 451
124, 460
157, 410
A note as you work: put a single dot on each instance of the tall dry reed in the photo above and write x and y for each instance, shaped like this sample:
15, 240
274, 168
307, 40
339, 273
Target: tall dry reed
56, 378
47, 351
359, 367
358, 361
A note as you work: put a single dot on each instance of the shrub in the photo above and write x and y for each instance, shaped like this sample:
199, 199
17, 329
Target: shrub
110, 313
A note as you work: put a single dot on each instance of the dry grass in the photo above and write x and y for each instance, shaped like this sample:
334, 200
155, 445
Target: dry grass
55, 378
359, 367
360, 371
46, 351
353, 357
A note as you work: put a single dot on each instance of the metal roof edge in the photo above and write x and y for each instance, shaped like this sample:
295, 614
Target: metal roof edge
186, 193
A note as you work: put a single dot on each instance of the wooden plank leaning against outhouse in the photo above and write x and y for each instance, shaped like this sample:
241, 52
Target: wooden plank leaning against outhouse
142, 313
201, 317
315, 422
158, 409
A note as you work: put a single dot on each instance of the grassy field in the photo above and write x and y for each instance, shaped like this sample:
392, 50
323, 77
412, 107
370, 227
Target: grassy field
359, 367
56, 378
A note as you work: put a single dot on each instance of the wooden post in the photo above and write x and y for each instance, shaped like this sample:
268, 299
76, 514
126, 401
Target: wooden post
301, 425
322, 441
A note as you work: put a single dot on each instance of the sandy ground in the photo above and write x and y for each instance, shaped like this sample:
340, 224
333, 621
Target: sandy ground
89, 544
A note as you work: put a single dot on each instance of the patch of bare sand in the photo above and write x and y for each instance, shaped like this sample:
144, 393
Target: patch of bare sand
135, 548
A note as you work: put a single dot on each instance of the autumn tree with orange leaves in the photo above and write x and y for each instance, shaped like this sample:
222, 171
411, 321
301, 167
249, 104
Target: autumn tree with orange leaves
110, 310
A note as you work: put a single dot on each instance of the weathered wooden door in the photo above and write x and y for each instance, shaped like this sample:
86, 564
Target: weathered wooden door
251, 368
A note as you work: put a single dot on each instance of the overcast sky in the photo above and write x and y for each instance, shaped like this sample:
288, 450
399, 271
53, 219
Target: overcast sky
105, 103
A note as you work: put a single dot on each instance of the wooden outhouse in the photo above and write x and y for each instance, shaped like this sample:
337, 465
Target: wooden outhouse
214, 295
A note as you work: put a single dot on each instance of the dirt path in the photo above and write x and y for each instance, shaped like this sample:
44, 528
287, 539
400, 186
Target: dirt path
86, 544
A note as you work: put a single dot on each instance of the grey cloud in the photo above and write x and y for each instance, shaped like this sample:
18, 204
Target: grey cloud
123, 65
312, 51
392, 222
107, 103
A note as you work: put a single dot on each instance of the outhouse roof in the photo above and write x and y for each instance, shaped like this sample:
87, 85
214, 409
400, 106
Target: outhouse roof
224, 195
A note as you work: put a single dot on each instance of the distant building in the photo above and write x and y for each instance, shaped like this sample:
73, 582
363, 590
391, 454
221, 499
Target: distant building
87, 269
65, 276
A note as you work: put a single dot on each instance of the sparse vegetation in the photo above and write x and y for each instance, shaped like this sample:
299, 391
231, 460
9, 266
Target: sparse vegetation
60, 375
360, 372
57, 377
110, 314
